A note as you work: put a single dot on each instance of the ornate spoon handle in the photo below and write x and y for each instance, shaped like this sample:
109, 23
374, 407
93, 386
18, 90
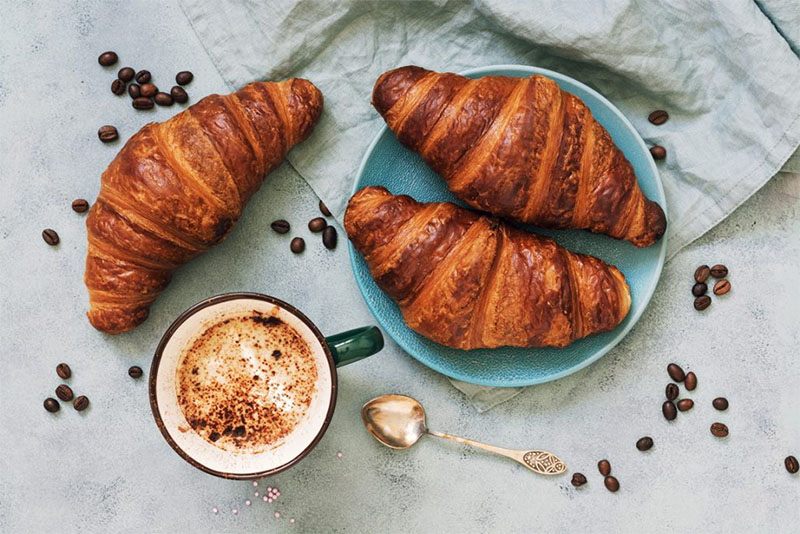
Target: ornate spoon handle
542, 462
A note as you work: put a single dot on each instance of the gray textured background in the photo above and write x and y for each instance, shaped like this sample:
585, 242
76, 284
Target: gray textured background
109, 470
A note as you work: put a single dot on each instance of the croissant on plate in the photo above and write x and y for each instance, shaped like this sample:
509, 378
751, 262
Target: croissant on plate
470, 281
178, 187
520, 148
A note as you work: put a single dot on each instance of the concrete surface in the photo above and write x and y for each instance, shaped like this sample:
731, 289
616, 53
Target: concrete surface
109, 470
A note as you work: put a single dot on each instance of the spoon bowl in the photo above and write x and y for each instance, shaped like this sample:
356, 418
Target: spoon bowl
396, 421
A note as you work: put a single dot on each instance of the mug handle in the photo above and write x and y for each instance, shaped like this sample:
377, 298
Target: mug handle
354, 345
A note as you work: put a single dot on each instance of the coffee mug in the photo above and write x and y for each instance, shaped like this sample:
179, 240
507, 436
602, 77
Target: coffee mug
328, 354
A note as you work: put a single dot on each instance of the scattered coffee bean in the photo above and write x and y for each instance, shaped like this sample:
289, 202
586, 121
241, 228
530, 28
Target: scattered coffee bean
658, 117
324, 209
685, 404
790, 462
280, 226
658, 152
604, 466
107, 59
63, 371
720, 403
50, 237
107, 133
690, 382
184, 77
645, 443
126, 74
699, 289
719, 271
672, 391
675, 372
143, 76
612, 484
722, 287
163, 99
64, 392
51, 405
719, 430
117, 87
179, 95
329, 237
297, 245
669, 410
701, 303
701, 274
135, 372
80, 205
134, 90
317, 224
80, 403
578, 480
142, 103
149, 90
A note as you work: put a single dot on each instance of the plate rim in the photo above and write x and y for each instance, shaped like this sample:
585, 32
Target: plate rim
491, 70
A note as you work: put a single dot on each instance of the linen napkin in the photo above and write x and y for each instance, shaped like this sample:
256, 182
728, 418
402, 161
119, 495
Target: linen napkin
725, 71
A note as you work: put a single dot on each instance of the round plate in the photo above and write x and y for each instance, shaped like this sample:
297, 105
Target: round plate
401, 171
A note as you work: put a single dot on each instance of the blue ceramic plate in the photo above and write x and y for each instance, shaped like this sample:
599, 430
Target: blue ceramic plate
389, 164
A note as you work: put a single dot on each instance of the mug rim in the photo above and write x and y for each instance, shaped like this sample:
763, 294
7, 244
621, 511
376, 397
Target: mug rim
211, 301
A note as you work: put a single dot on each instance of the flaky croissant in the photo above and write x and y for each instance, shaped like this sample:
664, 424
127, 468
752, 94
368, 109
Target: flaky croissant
178, 187
520, 148
469, 281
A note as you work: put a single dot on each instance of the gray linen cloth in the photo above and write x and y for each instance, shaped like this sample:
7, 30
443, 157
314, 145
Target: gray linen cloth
726, 72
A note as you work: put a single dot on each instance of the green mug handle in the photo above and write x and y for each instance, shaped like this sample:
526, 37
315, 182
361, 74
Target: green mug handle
354, 345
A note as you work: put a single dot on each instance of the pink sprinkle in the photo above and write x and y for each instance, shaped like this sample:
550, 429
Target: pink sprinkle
338, 454
247, 502
291, 520
269, 500
277, 515
265, 498
235, 511
269, 489
255, 494
215, 510
255, 483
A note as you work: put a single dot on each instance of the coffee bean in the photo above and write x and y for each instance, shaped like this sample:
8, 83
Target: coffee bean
701, 274
658, 117
50, 237
578, 480
63, 371
51, 405
675, 372
672, 391
297, 245
719, 271
142, 103
324, 209
117, 87
612, 484
126, 74
280, 226
107, 59
604, 466
80, 205
143, 76
722, 287
720, 403
134, 90
685, 404
184, 77
163, 99
790, 462
135, 372
669, 410
80, 403
149, 90
107, 133
701, 303
317, 224
719, 430
690, 382
645, 443
329, 237
699, 289
179, 95
658, 152
64, 392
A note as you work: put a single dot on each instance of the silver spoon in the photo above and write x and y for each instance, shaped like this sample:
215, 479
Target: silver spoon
398, 422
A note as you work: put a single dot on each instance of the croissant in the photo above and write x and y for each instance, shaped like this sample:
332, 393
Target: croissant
470, 281
178, 187
520, 148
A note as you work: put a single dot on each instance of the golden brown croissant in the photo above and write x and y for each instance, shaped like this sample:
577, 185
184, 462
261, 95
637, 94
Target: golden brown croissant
178, 187
469, 281
520, 148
